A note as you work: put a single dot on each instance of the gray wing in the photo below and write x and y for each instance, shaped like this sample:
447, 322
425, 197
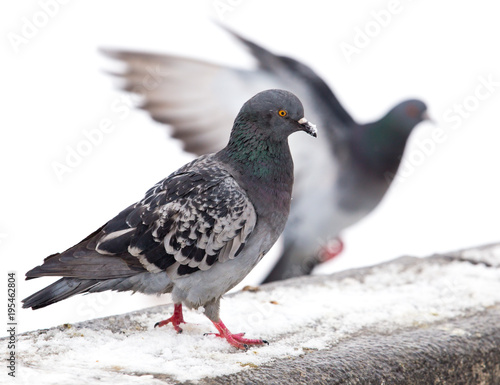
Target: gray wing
187, 222
200, 100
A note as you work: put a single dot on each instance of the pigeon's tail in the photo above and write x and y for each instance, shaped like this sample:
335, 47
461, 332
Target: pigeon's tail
147, 283
59, 290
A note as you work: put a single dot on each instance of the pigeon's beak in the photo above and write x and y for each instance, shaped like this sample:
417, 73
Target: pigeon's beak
308, 127
425, 116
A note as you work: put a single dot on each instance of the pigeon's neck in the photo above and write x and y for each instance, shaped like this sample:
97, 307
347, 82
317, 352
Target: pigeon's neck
261, 163
379, 146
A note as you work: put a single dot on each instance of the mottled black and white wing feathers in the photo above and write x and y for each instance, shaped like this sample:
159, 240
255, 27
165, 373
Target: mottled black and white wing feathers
187, 222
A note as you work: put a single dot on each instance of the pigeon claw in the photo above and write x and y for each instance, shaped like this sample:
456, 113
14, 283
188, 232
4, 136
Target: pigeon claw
237, 340
176, 319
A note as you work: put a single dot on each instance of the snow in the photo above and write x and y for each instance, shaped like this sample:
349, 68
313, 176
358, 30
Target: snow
314, 314
487, 254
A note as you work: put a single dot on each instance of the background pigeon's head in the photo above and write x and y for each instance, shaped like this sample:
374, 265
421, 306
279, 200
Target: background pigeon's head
406, 115
274, 114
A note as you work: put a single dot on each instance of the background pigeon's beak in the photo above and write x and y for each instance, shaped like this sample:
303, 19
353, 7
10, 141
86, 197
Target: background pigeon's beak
425, 116
308, 127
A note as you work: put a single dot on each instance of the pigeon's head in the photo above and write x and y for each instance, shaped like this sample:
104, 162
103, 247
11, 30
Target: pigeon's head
274, 114
406, 115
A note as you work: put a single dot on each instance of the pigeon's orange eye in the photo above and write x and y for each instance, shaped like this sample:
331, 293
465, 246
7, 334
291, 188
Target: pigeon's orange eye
282, 113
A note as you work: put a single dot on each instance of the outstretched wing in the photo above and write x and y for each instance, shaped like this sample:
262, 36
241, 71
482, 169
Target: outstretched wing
200, 100
187, 222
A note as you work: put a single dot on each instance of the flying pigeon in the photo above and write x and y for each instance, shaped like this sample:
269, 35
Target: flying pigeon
337, 182
199, 232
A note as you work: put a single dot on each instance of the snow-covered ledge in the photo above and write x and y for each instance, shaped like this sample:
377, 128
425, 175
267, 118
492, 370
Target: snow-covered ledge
432, 320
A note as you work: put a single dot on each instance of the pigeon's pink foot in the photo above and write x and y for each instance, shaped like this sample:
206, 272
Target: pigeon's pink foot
331, 250
176, 319
236, 340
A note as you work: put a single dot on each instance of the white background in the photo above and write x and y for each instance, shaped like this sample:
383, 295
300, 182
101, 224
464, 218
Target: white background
54, 90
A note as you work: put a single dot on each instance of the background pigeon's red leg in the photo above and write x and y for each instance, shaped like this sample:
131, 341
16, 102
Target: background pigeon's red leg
176, 319
331, 250
236, 340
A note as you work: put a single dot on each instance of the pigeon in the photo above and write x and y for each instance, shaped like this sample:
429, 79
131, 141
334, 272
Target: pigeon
200, 231
337, 181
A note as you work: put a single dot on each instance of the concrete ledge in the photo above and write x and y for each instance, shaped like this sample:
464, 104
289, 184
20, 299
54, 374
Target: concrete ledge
463, 351
411, 320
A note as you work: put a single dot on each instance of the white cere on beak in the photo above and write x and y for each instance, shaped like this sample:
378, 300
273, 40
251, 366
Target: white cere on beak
310, 128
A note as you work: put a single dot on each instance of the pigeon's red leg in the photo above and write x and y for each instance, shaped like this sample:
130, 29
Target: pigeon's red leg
176, 319
331, 250
236, 340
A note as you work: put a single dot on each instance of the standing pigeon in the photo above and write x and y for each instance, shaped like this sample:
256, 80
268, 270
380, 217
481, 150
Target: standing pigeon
199, 232
337, 182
